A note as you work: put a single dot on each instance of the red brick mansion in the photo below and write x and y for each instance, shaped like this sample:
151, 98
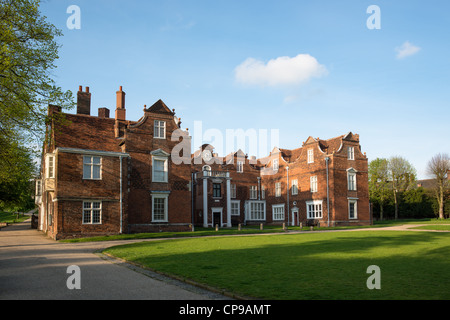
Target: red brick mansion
105, 175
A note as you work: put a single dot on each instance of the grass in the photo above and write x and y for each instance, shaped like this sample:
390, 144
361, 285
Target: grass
199, 232
414, 265
12, 217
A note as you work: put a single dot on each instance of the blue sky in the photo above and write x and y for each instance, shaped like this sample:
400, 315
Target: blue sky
305, 68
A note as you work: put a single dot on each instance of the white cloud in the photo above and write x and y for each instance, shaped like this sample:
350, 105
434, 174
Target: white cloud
406, 49
279, 71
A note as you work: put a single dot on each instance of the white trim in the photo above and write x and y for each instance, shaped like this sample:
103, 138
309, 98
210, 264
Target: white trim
351, 153
258, 215
278, 216
316, 210
215, 210
157, 127
165, 160
294, 187
277, 189
351, 180
50, 174
160, 195
92, 152
310, 155
234, 202
355, 208
313, 184
92, 209
91, 165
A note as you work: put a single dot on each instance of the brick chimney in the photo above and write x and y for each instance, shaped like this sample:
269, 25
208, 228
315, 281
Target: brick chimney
103, 112
83, 101
120, 105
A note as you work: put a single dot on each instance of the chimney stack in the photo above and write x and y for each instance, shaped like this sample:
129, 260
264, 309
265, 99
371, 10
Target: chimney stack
83, 101
120, 105
103, 112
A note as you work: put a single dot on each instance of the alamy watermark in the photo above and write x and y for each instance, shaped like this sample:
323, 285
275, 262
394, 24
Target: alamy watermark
74, 20
374, 21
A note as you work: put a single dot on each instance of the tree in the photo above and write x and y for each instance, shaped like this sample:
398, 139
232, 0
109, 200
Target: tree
438, 168
379, 185
402, 176
27, 53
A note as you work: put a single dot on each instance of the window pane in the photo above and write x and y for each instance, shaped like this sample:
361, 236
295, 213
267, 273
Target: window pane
96, 172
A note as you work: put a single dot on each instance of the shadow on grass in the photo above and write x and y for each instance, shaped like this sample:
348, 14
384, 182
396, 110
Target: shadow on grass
306, 266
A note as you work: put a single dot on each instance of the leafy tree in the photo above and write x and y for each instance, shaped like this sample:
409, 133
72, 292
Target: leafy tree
379, 184
402, 176
438, 167
27, 53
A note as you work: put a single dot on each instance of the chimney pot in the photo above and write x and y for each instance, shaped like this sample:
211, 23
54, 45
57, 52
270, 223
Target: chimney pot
80, 88
87, 89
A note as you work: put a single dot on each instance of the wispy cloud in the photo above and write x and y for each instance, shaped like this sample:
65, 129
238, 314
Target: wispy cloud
406, 49
279, 71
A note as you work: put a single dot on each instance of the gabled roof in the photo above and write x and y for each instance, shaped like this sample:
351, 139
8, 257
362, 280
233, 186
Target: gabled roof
160, 107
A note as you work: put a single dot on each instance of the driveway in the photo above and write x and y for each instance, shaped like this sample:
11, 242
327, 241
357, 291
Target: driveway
34, 267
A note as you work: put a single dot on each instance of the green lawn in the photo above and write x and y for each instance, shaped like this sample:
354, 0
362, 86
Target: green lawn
332, 265
12, 217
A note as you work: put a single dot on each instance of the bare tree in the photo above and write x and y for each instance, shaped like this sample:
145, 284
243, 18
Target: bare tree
403, 175
438, 167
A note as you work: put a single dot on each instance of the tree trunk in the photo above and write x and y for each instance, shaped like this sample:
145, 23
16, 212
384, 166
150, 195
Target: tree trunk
395, 205
441, 203
381, 211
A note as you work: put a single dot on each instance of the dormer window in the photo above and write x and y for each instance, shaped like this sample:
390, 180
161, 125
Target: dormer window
275, 165
351, 153
160, 129
310, 155
240, 166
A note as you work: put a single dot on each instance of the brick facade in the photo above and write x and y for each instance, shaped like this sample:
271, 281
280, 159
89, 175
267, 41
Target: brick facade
103, 175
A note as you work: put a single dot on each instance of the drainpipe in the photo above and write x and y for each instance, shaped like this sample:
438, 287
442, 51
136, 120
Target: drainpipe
328, 194
287, 191
121, 210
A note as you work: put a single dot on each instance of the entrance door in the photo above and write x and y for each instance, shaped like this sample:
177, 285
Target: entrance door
295, 218
217, 216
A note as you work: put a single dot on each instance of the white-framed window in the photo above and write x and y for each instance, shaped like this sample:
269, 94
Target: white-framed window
256, 210
235, 208
263, 192
160, 129
233, 191
50, 166
253, 192
92, 166
278, 189
159, 207
38, 188
313, 184
217, 190
351, 179
310, 155
275, 165
294, 187
240, 166
278, 212
314, 209
92, 212
351, 153
160, 169
352, 209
